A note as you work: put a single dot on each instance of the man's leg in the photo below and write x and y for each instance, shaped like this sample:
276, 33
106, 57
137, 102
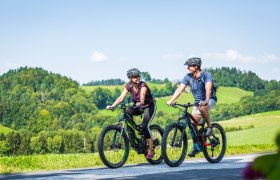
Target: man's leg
197, 116
204, 110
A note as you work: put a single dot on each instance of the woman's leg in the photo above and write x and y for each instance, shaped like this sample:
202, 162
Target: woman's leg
149, 114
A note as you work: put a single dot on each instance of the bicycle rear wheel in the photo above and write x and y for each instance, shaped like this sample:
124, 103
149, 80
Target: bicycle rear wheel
215, 146
157, 133
113, 148
174, 148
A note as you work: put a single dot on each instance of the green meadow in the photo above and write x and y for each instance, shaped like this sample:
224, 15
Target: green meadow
266, 126
120, 87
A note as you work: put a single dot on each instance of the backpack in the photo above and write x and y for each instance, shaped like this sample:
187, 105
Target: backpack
214, 83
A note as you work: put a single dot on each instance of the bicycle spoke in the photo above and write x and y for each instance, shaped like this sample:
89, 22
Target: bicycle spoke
157, 143
174, 150
216, 144
114, 147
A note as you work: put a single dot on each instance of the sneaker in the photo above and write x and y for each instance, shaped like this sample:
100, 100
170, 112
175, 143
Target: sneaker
195, 150
208, 131
192, 153
150, 154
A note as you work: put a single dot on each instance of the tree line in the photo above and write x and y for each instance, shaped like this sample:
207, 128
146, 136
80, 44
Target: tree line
145, 76
247, 80
59, 142
108, 82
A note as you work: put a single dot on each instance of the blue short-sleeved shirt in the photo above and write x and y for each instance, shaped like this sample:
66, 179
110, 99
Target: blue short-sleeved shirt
198, 86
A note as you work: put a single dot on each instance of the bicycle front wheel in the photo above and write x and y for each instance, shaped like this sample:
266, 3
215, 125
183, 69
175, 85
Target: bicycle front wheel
174, 145
113, 148
215, 145
157, 133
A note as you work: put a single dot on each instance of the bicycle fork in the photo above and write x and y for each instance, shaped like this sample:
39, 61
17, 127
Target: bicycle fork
116, 141
178, 144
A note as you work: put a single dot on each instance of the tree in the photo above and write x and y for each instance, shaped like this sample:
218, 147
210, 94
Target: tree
4, 148
101, 97
54, 144
146, 76
13, 140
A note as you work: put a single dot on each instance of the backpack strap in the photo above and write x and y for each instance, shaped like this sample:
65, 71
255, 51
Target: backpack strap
202, 78
130, 87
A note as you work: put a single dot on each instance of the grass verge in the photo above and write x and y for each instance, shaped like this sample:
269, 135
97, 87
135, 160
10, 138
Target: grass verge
68, 161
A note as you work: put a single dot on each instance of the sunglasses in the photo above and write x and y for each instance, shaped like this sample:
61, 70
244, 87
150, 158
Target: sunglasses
191, 66
135, 76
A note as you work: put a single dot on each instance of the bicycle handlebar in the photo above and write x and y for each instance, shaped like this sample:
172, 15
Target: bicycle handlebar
122, 106
182, 105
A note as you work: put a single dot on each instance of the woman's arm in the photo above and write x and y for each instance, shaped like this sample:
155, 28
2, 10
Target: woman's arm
142, 95
119, 99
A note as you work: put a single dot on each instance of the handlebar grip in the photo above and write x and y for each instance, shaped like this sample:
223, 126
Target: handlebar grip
173, 104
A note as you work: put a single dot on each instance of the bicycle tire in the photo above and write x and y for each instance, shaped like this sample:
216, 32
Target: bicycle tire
217, 146
168, 151
157, 145
113, 147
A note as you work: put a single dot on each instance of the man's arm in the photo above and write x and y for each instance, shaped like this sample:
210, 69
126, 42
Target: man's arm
208, 88
176, 94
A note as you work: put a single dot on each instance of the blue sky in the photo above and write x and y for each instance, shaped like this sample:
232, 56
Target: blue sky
94, 40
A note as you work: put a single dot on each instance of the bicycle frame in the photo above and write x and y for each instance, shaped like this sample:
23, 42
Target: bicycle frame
128, 126
186, 118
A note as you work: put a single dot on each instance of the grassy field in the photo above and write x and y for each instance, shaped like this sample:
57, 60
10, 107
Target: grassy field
225, 95
120, 87
266, 126
4, 129
260, 138
92, 88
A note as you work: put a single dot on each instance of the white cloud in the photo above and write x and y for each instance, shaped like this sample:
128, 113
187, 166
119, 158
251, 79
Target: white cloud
98, 56
173, 56
232, 55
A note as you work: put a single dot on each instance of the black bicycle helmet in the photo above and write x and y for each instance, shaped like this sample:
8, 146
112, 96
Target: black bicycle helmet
193, 61
133, 73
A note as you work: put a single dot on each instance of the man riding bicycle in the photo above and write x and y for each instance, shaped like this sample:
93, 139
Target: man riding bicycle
144, 101
205, 98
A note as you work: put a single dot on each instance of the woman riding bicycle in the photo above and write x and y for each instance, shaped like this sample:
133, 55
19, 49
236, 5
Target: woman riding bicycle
203, 93
144, 101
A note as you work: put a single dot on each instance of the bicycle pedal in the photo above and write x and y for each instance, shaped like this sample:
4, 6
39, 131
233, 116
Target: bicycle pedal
214, 143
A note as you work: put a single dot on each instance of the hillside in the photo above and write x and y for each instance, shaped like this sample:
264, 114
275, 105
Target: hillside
34, 99
51, 113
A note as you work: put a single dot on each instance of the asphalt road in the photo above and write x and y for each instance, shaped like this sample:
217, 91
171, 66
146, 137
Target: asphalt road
229, 168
